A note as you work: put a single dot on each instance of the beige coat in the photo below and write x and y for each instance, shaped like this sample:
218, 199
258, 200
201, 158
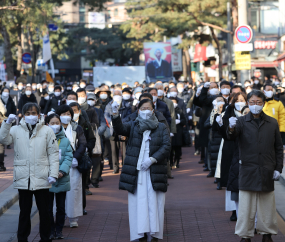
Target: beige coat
35, 158
170, 106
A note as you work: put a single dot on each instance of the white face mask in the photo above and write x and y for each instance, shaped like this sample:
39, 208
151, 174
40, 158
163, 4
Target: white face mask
32, 120
81, 100
256, 82
55, 128
91, 102
69, 88
154, 98
175, 105
173, 94
248, 90
50, 89
277, 83
126, 96
65, 119
70, 101
75, 89
57, 94
5, 94
225, 91
160, 93
20, 87
239, 105
82, 85
247, 84
117, 99
103, 96
145, 114
180, 89
255, 109
46, 98
214, 91
268, 94
137, 95
28, 93
76, 116
34, 87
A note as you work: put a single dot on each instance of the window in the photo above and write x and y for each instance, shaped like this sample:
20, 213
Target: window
116, 12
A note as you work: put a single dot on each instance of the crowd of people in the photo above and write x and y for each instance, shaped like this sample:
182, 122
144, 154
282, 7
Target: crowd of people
63, 134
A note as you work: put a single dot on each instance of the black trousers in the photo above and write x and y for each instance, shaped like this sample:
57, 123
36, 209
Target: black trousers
115, 148
176, 152
60, 211
96, 170
108, 152
2, 151
84, 178
124, 147
26, 203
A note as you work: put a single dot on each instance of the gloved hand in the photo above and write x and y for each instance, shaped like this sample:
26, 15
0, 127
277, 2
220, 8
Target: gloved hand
276, 175
188, 110
74, 163
51, 180
177, 121
219, 120
11, 119
233, 122
171, 134
199, 89
135, 102
207, 84
50, 112
115, 107
146, 164
190, 117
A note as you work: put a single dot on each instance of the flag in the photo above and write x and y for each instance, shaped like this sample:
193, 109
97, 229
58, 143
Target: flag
48, 77
46, 48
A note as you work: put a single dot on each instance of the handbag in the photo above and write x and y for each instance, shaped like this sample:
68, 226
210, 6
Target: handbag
85, 163
97, 150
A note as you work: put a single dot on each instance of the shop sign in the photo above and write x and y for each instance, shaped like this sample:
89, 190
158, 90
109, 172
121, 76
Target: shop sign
262, 44
242, 60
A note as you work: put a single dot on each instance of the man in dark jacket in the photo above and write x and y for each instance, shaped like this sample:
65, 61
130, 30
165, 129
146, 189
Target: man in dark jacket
56, 99
90, 138
261, 162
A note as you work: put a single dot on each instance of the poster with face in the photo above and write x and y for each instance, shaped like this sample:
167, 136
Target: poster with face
158, 61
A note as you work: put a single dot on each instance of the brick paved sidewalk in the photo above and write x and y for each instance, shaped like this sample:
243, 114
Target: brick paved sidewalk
194, 210
6, 178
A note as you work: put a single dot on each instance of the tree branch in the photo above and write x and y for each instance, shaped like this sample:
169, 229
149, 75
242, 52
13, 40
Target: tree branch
12, 8
210, 25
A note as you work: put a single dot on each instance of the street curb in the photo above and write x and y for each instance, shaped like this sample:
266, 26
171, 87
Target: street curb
7, 198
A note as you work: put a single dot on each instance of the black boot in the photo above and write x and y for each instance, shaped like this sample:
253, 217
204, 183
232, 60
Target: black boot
216, 181
2, 168
219, 187
211, 173
234, 216
9, 147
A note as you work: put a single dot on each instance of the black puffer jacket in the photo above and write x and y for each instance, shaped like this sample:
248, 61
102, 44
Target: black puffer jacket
177, 139
53, 103
25, 99
234, 171
10, 106
159, 149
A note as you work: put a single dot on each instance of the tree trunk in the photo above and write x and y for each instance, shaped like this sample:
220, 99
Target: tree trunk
219, 52
19, 47
7, 53
235, 17
188, 63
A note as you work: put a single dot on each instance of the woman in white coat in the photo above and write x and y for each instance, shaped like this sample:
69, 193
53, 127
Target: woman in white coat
75, 134
36, 164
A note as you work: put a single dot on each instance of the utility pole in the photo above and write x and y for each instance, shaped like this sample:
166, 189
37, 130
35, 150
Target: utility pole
242, 20
229, 24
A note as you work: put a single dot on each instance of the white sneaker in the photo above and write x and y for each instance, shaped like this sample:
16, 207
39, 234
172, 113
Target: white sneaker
73, 225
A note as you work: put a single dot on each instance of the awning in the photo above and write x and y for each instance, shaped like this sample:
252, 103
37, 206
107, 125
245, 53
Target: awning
263, 64
281, 57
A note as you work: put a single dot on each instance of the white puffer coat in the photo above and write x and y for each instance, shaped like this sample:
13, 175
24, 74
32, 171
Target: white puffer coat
35, 158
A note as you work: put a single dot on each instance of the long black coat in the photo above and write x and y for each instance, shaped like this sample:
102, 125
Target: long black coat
10, 106
43, 104
24, 99
234, 171
54, 103
261, 152
177, 139
163, 108
159, 149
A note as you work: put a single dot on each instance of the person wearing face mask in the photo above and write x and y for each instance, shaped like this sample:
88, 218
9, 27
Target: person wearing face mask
169, 103
274, 108
104, 95
7, 103
56, 99
75, 134
62, 185
203, 99
21, 87
144, 171
261, 162
115, 138
90, 139
173, 92
36, 166
28, 97
228, 149
225, 90
256, 84
127, 97
50, 89
82, 84
177, 139
44, 99
36, 92
137, 94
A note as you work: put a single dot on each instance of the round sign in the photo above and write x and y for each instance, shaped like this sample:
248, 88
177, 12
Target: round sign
27, 58
243, 34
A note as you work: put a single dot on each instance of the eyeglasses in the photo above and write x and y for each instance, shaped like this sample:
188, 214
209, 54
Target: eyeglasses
259, 103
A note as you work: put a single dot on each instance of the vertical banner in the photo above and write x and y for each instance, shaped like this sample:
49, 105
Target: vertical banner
46, 48
176, 59
158, 61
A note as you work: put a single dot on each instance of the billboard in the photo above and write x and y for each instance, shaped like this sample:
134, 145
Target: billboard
96, 20
176, 59
158, 61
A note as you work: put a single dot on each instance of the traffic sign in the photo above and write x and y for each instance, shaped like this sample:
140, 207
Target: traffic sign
243, 47
243, 34
27, 58
242, 60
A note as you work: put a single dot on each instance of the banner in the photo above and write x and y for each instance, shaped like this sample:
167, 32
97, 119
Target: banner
242, 60
176, 59
46, 48
200, 53
96, 20
158, 61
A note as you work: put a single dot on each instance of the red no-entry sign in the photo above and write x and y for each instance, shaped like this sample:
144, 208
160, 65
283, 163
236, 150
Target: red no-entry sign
243, 34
